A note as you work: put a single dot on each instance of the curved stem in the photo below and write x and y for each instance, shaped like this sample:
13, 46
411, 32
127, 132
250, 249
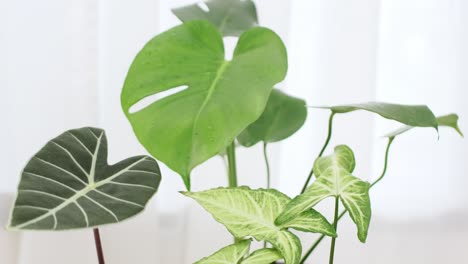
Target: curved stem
232, 171
267, 164
97, 241
384, 171
387, 150
330, 130
335, 226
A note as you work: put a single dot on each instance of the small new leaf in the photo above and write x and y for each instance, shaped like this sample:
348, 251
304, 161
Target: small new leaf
412, 115
222, 97
231, 254
231, 17
450, 120
246, 212
263, 256
68, 184
282, 117
334, 178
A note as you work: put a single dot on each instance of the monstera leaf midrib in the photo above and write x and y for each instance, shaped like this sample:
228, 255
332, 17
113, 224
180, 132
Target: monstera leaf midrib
219, 73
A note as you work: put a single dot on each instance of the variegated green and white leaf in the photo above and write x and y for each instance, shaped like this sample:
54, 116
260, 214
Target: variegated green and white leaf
450, 120
263, 256
231, 254
246, 212
68, 184
334, 179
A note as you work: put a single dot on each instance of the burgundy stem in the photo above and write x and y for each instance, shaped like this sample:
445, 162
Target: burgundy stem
97, 241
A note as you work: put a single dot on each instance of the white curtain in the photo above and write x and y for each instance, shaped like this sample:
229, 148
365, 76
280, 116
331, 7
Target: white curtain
63, 64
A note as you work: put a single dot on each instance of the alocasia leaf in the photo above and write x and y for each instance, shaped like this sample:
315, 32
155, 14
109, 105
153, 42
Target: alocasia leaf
282, 117
263, 256
231, 254
246, 212
223, 97
231, 17
334, 178
68, 184
450, 120
412, 115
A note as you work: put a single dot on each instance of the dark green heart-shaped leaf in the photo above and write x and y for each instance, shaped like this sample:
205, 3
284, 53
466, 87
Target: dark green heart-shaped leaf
231, 17
222, 98
450, 120
68, 184
245, 212
282, 117
231, 254
412, 115
263, 256
334, 179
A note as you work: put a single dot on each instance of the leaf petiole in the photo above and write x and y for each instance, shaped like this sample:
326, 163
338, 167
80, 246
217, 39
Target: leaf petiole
232, 170
335, 226
330, 130
97, 241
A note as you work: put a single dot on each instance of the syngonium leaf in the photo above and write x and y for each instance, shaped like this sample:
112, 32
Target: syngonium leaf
412, 115
334, 178
223, 97
450, 120
231, 254
68, 184
263, 256
282, 117
231, 17
246, 212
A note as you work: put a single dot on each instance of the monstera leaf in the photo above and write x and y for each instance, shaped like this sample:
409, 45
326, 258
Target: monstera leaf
282, 117
231, 254
231, 17
334, 179
68, 184
246, 212
412, 115
223, 97
263, 256
450, 120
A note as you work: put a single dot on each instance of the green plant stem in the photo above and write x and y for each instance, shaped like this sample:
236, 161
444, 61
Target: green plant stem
267, 165
330, 130
335, 226
384, 171
97, 241
232, 170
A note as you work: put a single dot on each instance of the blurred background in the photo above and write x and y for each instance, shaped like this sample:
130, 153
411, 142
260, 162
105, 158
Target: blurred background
62, 66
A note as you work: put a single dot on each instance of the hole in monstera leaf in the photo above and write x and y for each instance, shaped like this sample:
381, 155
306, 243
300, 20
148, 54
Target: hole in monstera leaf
203, 6
148, 100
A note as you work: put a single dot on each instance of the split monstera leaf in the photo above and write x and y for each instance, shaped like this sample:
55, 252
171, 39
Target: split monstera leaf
222, 97
252, 213
68, 185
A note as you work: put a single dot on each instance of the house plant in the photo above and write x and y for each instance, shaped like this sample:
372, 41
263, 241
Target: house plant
217, 101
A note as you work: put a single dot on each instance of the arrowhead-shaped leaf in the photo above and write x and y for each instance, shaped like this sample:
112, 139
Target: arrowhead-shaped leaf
231, 254
231, 17
450, 120
245, 212
282, 117
223, 97
263, 256
412, 115
334, 179
68, 184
